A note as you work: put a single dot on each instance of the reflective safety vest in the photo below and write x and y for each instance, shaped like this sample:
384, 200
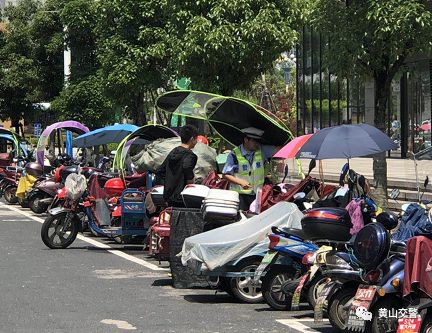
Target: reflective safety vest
253, 172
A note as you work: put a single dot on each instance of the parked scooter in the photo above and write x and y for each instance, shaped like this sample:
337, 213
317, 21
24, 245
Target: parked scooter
415, 287
12, 174
283, 262
44, 191
124, 216
364, 263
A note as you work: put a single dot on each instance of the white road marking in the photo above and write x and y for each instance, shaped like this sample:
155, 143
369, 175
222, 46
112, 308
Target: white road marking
297, 325
123, 325
93, 242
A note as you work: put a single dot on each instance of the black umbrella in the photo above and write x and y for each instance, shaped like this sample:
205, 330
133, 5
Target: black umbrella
228, 116
346, 141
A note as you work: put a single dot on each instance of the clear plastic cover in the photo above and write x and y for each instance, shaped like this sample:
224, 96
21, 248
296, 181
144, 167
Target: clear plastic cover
75, 186
219, 246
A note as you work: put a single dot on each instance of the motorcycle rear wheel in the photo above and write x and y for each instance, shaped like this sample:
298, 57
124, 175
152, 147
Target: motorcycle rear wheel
384, 325
35, 205
10, 195
315, 287
51, 231
426, 325
242, 288
337, 314
272, 287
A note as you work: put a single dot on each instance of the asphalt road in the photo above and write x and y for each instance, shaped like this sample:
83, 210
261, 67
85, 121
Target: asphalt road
99, 286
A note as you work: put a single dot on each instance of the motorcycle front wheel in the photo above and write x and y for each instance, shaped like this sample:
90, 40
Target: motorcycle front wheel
52, 232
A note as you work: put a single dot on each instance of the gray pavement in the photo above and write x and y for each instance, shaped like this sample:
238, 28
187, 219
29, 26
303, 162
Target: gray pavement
397, 169
86, 288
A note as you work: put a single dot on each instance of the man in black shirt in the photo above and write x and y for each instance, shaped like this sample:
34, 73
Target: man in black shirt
177, 169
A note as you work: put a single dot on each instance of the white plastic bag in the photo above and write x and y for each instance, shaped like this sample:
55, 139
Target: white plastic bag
75, 186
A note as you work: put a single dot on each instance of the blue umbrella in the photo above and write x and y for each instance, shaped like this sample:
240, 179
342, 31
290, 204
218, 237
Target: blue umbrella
102, 136
346, 141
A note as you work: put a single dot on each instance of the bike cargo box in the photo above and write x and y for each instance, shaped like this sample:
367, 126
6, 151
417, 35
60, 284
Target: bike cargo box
114, 187
327, 223
221, 205
193, 195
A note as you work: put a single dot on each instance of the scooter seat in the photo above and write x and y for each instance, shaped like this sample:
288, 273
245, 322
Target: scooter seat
291, 232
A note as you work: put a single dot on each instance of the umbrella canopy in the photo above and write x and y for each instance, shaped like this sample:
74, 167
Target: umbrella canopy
69, 125
290, 149
12, 138
425, 127
346, 141
15, 138
228, 116
102, 136
142, 135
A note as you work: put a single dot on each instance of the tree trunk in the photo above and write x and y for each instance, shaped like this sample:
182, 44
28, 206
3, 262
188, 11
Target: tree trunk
382, 95
138, 115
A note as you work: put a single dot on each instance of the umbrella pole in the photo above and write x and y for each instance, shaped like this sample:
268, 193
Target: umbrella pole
417, 182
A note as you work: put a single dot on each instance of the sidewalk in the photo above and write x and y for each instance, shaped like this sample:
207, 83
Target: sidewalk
398, 170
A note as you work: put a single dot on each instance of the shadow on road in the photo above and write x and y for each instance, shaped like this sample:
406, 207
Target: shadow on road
210, 299
162, 283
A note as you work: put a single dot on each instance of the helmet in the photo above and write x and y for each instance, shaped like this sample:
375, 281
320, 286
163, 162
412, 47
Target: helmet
34, 169
66, 171
202, 139
388, 220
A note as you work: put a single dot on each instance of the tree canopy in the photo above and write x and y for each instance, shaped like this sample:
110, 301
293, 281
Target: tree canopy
373, 39
225, 45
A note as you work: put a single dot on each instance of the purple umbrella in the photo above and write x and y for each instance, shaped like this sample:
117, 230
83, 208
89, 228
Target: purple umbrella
70, 125
346, 141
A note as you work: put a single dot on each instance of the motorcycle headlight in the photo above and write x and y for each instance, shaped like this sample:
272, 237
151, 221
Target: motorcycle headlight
337, 262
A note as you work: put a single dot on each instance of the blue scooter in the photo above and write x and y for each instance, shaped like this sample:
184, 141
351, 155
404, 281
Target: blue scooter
285, 262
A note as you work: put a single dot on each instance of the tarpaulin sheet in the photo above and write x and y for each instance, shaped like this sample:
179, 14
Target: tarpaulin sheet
217, 247
154, 154
414, 222
418, 266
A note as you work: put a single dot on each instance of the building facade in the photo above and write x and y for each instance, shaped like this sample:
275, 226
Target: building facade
4, 3
324, 99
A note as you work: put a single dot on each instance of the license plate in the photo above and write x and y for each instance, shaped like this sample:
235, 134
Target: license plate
409, 325
267, 260
362, 301
365, 293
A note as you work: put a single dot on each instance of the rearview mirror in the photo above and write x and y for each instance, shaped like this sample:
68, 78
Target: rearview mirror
395, 193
